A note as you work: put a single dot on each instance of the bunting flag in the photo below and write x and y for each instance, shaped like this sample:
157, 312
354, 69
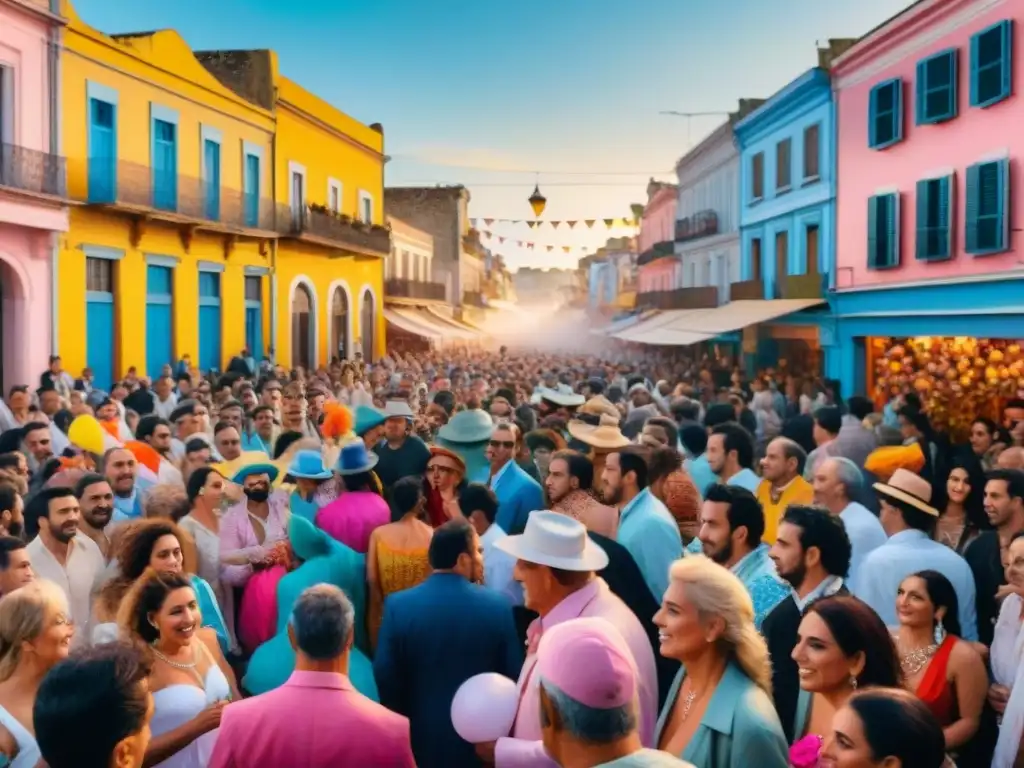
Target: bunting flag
501, 240
488, 222
611, 223
554, 224
531, 224
550, 248
590, 223
571, 224
566, 248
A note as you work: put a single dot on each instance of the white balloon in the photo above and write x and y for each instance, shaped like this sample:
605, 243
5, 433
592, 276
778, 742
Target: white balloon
484, 708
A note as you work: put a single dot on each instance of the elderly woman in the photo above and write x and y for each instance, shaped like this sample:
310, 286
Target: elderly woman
719, 710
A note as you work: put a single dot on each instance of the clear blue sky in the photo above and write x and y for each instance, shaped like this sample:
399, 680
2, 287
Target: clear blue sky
530, 85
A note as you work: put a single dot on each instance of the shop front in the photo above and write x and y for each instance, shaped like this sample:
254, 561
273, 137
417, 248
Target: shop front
958, 344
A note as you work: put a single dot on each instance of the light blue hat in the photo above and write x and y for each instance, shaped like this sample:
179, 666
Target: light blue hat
309, 465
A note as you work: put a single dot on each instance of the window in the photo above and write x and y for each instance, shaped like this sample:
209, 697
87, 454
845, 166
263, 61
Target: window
811, 235
755, 259
934, 229
991, 64
102, 151
252, 190
209, 285
165, 165
211, 170
885, 114
884, 231
366, 207
99, 275
987, 214
757, 177
334, 195
936, 88
253, 288
783, 165
812, 153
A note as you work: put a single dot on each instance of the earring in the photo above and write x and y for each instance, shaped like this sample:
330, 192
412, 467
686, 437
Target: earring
853, 682
940, 632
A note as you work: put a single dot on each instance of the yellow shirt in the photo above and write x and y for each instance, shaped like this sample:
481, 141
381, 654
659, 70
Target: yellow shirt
797, 492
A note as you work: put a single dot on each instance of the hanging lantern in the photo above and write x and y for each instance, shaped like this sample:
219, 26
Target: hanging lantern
537, 201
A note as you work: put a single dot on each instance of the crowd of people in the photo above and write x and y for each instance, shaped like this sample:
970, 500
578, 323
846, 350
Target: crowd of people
654, 563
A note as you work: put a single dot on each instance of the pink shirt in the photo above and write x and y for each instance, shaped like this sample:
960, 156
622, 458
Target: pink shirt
315, 720
238, 537
524, 748
352, 517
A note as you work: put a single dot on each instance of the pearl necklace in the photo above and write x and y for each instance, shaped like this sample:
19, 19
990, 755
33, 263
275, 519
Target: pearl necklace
186, 665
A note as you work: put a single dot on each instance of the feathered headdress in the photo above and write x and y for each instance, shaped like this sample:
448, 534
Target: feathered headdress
338, 421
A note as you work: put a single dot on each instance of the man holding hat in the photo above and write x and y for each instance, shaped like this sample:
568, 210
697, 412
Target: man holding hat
908, 518
401, 453
588, 685
556, 564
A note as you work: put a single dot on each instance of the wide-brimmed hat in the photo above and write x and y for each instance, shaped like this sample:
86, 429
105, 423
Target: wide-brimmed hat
473, 426
398, 409
906, 487
254, 469
558, 397
597, 405
355, 458
605, 436
366, 418
309, 465
557, 541
437, 451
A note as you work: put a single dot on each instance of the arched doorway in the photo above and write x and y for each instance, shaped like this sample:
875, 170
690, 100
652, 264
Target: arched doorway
368, 323
340, 343
21, 319
303, 318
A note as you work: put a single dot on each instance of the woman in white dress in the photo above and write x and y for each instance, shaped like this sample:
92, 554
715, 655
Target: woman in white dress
1006, 694
191, 681
35, 634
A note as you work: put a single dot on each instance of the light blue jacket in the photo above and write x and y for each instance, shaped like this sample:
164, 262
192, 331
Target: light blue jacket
518, 495
739, 729
650, 533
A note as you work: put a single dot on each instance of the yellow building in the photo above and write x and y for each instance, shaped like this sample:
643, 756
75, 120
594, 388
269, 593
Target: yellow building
178, 245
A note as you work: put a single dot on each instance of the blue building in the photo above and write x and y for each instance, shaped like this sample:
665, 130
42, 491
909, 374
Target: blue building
787, 224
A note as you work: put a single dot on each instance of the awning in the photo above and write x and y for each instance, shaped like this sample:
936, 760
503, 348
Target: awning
682, 327
626, 322
439, 317
410, 326
424, 318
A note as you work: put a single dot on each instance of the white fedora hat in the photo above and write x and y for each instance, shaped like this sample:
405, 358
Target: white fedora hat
557, 541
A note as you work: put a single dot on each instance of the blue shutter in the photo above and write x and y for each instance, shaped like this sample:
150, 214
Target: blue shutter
892, 226
1007, 70
165, 165
1003, 204
159, 319
974, 71
102, 151
945, 223
209, 321
254, 331
971, 209
872, 117
211, 161
99, 338
897, 114
923, 225
252, 190
921, 93
872, 232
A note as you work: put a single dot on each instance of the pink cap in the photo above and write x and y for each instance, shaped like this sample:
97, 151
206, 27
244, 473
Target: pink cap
589, 661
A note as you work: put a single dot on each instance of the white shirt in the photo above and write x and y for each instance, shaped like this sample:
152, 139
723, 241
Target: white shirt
84, 564
906, 553
866, 534
164, 408
498, 566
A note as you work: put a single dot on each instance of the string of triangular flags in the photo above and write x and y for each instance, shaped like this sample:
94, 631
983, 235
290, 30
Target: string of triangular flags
614, 223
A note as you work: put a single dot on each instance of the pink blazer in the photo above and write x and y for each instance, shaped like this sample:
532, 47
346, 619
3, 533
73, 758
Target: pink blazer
315, 720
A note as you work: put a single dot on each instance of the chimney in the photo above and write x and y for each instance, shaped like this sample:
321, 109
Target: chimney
836, 48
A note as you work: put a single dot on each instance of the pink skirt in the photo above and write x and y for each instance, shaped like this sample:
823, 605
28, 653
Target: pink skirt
257, 615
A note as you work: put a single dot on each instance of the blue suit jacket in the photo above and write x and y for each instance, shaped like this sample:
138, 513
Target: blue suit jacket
518, 495
433, 638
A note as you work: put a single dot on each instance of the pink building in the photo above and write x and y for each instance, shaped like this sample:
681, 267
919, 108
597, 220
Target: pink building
658, 264
929, 152
32, 210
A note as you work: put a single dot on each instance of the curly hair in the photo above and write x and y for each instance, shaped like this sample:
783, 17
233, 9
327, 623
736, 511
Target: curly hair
133, 553
147, 596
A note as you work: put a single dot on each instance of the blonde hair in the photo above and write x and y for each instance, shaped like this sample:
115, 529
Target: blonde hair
715, 591
23, 615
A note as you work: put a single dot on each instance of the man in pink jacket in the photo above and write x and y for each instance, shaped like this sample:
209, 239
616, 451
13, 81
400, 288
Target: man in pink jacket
317, 719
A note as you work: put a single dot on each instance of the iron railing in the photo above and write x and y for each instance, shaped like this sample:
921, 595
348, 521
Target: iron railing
337, 228
30, 170
703, 297
126, 184
403, 288
657, 251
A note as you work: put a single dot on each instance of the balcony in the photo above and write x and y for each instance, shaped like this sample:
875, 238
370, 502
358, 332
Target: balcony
701, 224
317, 224
802, 287
402, 288
474, 299
748, 290
32, 172
188, 202
705, 297
657, 251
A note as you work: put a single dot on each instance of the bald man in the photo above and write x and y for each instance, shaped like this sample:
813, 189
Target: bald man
1011, 458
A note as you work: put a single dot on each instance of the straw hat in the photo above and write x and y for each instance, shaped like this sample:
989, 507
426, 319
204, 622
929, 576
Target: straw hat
605, 436
906, 487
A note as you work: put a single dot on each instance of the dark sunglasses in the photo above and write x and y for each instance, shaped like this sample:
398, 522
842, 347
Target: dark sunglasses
508, 444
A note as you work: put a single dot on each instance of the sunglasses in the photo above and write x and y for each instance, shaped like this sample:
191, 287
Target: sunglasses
507, 444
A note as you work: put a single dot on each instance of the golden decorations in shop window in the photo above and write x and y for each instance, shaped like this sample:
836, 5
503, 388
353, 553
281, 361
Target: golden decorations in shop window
958, 379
